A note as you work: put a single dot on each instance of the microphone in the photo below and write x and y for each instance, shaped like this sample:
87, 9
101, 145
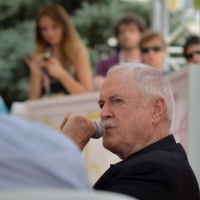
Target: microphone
100, 130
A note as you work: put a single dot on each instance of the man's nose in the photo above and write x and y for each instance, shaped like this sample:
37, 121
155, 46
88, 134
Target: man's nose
106, 112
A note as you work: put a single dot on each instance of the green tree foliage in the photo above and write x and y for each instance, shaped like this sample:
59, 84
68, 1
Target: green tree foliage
196, 4
94, 20
14, 46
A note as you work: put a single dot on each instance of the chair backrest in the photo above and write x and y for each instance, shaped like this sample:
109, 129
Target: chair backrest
60, 195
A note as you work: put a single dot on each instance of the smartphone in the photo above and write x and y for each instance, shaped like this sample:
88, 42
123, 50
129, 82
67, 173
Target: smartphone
45, 56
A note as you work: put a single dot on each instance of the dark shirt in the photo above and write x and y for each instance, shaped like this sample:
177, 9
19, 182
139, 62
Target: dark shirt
104, 65
158, 172
55, 87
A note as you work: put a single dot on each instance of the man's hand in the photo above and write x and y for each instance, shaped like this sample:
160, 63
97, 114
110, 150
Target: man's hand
79, 128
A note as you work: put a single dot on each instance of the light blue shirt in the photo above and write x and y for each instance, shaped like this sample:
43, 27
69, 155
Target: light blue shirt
33, 156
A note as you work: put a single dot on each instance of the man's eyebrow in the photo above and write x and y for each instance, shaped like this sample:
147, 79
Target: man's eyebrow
110, 98
115, 96
100, 101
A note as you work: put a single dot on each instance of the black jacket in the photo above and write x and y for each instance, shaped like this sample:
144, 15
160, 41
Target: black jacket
158, 172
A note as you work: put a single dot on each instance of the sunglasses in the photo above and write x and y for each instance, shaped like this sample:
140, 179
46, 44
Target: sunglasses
154, 48
189, 56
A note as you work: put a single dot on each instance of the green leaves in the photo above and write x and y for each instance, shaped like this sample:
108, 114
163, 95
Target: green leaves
16, 43
196, 4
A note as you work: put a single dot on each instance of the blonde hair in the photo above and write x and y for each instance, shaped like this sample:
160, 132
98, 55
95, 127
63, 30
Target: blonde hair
71, 42
149, 35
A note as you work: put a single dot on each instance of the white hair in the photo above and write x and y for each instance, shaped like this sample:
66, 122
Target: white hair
150, 81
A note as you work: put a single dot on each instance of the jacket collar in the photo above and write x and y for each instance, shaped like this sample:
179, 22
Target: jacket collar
160, 145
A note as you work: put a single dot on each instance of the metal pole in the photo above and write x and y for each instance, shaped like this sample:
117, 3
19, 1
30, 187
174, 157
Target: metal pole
156, 20
165, 28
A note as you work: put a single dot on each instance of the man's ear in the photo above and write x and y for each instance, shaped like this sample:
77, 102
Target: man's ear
158, 110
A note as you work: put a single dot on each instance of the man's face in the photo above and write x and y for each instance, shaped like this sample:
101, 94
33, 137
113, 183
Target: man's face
193, 54
129, 36
153, 52
130, 119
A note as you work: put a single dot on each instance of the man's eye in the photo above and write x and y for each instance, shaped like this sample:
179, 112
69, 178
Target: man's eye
117, 100
101, 105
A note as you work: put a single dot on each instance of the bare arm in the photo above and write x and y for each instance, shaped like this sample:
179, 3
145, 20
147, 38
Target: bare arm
82, 66
35, 87
35, 76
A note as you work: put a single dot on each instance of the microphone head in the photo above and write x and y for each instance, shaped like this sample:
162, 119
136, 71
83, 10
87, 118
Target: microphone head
100, 130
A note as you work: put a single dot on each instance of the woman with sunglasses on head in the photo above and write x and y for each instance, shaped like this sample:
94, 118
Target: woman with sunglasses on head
153, 49
191, 50
60, 63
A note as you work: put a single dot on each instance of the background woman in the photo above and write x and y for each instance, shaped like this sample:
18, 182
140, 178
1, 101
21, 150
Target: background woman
66, 68
153, 50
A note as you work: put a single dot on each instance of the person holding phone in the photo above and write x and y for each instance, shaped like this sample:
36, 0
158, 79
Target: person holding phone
153, 49
66, 69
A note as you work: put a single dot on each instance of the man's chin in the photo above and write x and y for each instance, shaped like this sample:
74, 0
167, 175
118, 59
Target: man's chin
108, 144
128, 48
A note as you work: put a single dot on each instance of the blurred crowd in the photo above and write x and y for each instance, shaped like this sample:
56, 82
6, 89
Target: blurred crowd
60, 63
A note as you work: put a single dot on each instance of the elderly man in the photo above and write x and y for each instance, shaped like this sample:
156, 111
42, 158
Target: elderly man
136, 104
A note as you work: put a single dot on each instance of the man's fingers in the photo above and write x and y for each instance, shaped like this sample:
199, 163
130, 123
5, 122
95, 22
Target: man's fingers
78, 128
64, 121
